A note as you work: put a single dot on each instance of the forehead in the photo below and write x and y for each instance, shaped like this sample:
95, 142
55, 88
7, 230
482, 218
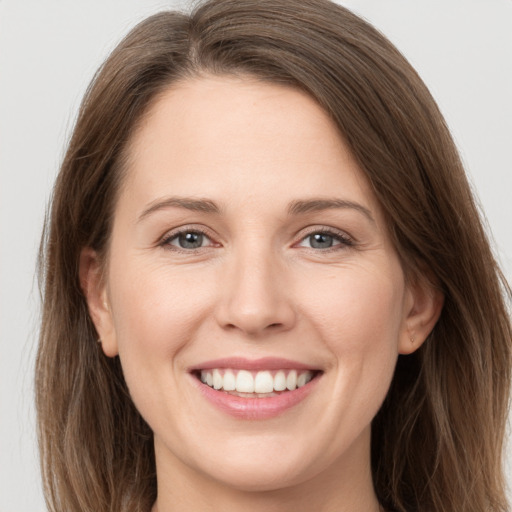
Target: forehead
232, 138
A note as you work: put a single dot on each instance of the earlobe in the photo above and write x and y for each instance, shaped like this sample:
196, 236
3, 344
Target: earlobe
423, 306
94, 289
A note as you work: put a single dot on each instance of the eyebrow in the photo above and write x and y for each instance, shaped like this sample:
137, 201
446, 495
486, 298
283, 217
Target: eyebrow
188, 203
297, 207
316, 205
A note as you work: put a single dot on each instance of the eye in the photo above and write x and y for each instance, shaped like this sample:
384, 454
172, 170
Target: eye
187, 239
325, 239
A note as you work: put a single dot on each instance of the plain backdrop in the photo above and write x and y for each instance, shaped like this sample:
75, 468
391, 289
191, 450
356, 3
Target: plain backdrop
49, 51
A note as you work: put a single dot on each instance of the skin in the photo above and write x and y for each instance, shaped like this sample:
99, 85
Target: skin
255, 288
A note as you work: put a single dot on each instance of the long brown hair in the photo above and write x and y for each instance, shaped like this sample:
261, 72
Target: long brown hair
437, 440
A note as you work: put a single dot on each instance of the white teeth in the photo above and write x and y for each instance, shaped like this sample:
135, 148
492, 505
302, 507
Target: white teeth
280, 381
291, 380
244, 382
263, 383
260, 384
229, 381
217, 379
302, 379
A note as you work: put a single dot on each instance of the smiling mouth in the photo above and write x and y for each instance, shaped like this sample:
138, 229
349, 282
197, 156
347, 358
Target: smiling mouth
255, 384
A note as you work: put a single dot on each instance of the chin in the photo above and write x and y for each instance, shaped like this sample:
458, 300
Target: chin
260, 463
260, 477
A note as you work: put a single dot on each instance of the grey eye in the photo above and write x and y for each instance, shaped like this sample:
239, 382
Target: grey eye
321, 240
189, 240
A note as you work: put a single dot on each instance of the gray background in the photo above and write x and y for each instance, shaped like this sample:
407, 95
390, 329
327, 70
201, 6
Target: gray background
49, 50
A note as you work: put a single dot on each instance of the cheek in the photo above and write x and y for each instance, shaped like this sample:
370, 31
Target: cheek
361, 309
156, 313
360, 317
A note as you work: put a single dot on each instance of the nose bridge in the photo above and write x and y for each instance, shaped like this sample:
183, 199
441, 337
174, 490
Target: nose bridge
254, 298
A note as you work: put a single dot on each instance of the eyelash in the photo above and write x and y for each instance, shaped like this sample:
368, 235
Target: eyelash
344, 240
167, 239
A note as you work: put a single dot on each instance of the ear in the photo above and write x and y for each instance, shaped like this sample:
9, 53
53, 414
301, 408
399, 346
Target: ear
423, 306
94, 289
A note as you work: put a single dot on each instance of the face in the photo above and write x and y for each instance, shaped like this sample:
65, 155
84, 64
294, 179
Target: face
248, 250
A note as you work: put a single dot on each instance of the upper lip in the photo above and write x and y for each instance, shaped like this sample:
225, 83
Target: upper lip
242, 363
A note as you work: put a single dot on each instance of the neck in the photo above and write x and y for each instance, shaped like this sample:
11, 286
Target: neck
344, 486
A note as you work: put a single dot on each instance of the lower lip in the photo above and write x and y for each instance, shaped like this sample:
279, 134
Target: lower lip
256, 408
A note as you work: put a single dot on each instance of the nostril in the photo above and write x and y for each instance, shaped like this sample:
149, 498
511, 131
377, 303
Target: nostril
250, 329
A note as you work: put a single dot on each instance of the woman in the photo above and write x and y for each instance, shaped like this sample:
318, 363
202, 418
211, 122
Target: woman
263, 219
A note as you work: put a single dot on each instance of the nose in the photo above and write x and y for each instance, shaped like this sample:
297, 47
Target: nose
254, 298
